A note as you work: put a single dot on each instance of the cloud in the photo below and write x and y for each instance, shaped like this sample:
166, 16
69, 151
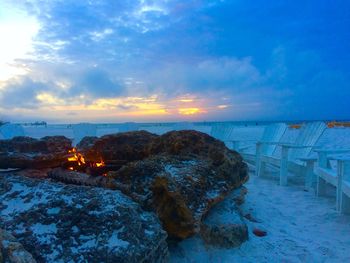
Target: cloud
96, 83
21, 93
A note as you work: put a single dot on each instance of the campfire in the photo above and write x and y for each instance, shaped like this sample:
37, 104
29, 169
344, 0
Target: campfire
95, 167
77, 162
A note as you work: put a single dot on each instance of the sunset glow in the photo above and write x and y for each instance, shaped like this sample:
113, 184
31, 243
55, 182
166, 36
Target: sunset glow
190, 111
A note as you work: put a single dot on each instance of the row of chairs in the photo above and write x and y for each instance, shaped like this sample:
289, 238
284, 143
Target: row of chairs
296, 158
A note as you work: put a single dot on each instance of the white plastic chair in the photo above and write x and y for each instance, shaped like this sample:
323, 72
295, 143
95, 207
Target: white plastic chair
10, 130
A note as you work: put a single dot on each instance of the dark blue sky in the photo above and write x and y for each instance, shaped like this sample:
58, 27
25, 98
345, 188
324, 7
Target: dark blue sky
174, 60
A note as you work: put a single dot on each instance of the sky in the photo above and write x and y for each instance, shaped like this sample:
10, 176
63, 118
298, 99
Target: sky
169, 60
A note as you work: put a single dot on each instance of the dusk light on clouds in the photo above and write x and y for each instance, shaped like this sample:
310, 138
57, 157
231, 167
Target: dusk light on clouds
169, 60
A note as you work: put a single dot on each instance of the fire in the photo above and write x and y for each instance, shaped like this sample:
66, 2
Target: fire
101, 163
78, 159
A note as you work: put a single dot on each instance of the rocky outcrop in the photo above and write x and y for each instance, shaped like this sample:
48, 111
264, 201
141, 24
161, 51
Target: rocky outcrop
25, 152
184, 175
179, 175
67, 223
224, 225
12, 251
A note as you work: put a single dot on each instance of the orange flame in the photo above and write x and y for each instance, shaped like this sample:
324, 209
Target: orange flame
79, 159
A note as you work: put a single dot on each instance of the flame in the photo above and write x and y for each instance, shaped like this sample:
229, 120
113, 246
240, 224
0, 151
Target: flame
101, 163
79, 159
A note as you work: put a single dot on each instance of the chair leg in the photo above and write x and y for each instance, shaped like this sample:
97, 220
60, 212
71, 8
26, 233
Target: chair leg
339, 187
284, 167
258, 160
321, 186
309, 175
345, 204
262, 168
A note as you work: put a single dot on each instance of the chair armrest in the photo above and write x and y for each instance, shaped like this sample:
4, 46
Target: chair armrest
240, 140
308, 159
286, 144
290, 145
269, 143
342, 158
332, 151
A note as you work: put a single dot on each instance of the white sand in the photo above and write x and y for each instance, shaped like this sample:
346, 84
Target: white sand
301, 228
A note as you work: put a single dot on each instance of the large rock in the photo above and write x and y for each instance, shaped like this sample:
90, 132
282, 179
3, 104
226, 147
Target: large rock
179, 175
185, 174
67, 223
224, 225
26, 152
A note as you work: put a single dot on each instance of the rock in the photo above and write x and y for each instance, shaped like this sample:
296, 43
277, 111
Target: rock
228, 165
129, 146
186, 174
224, 226
34, 173
179, 175
259, 232
180, 190
25, 152
78, 178
238, 195
67, 223
12, 251
86, 143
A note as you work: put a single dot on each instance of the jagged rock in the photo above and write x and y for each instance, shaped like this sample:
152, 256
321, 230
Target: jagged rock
181, 190
227, 165
67, 223
128, 146
26, 152
179, 175
224, 226
12, 251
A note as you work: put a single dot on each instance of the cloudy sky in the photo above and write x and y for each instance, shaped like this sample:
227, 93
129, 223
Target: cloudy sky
169, 60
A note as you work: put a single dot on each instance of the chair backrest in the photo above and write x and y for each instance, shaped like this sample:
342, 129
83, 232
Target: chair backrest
128, 126
101, 131
272, 133
222, 131
203, 128
157, 129
82, 130
216, 130
10, 130
308, 136
179, 126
